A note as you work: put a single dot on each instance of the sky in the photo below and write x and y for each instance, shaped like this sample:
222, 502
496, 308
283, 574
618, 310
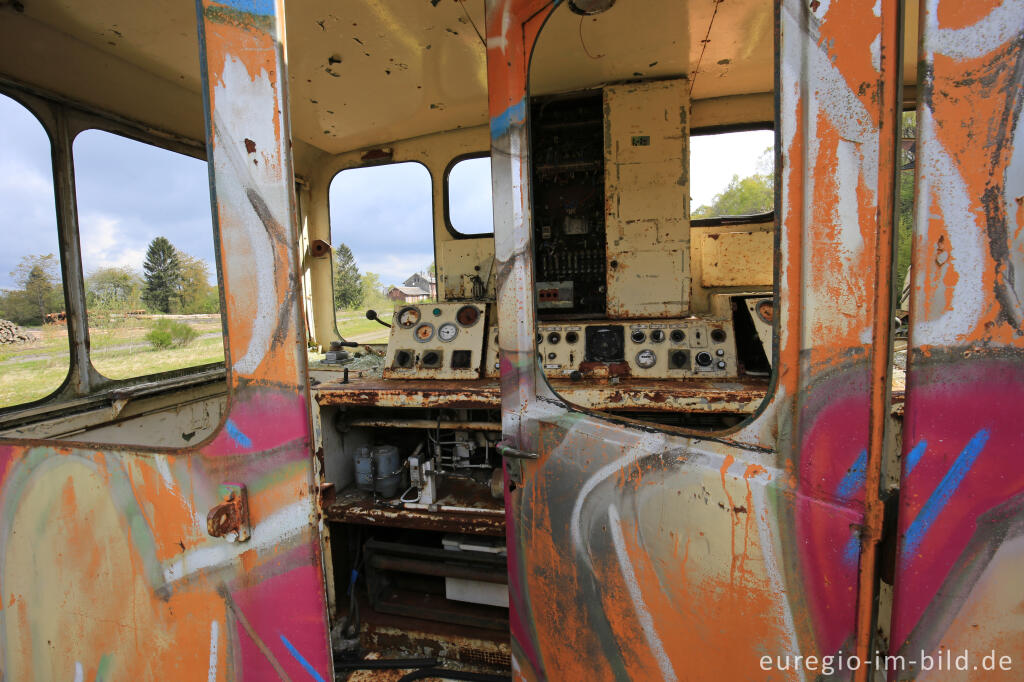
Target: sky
129, 192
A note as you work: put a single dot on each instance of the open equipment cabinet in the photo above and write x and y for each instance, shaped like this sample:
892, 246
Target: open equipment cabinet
622, 437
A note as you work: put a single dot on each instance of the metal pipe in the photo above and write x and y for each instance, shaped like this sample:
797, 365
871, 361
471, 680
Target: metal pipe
453, 508
889, 125
426, 424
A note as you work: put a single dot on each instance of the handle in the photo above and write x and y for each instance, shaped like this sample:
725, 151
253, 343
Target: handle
505, 449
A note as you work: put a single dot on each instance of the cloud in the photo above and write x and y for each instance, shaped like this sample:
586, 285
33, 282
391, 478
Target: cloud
106, 245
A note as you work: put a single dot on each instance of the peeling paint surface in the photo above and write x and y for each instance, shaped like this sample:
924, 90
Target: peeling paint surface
647, 555
106, 568
961, 515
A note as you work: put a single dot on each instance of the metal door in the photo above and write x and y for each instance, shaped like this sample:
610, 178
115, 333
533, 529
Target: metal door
961, 511
636, 553
107, 566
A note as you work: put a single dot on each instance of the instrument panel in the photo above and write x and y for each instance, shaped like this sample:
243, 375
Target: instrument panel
651, 349
436, 341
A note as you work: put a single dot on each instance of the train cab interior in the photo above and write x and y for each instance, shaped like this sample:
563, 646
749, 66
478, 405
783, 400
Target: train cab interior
651, 310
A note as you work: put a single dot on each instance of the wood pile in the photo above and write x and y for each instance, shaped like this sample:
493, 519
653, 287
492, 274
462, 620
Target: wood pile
12, 333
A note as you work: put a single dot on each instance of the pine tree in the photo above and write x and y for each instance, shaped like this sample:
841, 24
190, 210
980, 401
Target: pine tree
348, 289
162, 272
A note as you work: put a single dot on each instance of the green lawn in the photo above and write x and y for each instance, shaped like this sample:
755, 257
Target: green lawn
119, 351
354, 326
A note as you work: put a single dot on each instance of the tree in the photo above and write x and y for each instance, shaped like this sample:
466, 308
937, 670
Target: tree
371, 290
348, 290
114, 288
162, 274
746, 196
195, 292
905, 209
40, 292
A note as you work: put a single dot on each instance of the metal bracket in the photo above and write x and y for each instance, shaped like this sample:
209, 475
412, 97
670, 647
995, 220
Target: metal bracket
230, 518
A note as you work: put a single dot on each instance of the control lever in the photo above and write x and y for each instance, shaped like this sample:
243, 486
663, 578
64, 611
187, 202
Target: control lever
371, 314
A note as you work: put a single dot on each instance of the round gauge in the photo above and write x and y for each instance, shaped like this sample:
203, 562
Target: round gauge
468, 315
766, 311
408, 317
646, 358
424, 332
447, 331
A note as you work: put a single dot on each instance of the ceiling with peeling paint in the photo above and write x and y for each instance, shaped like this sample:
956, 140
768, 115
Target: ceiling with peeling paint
371, 72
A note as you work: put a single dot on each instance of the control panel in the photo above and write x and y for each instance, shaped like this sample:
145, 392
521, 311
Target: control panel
651, 349
436, 341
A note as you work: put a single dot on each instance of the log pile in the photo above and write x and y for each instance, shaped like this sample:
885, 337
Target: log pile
12, 333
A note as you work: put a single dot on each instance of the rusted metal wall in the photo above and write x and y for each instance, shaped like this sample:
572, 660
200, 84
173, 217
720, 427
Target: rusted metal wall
106, 568
961, 517
647, 555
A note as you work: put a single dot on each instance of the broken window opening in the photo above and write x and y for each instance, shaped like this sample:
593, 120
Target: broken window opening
383, 246
148, 257
468, 202
34, 344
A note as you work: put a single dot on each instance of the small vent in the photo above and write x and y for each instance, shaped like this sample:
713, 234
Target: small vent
495, 659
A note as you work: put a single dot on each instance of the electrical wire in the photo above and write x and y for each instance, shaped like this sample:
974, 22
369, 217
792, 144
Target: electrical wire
472, 23
704, 46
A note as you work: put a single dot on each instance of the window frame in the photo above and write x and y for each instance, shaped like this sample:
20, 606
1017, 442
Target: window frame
178, 147
445, 189
62, 119
33, 107
754, 218
390, 161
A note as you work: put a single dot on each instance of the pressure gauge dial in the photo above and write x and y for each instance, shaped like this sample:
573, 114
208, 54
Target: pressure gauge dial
646, 358
408, 317
447, 331
424, 332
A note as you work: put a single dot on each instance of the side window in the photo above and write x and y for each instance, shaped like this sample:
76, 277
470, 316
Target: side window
468, 196
34, 351
732, 174
148, 257
383, 239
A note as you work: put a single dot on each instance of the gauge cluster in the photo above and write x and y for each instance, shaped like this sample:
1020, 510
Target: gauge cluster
653, 349
436, 341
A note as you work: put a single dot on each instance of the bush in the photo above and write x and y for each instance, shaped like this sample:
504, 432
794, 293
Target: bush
170, 334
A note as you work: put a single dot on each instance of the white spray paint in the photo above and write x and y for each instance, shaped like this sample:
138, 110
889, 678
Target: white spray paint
241, 113
211, 676
272, 533
635, 593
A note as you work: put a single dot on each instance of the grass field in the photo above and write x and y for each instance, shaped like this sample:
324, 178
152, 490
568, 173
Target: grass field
354, 326
32, 371
119, 351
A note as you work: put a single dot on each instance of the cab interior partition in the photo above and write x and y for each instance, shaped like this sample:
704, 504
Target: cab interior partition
644, 313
